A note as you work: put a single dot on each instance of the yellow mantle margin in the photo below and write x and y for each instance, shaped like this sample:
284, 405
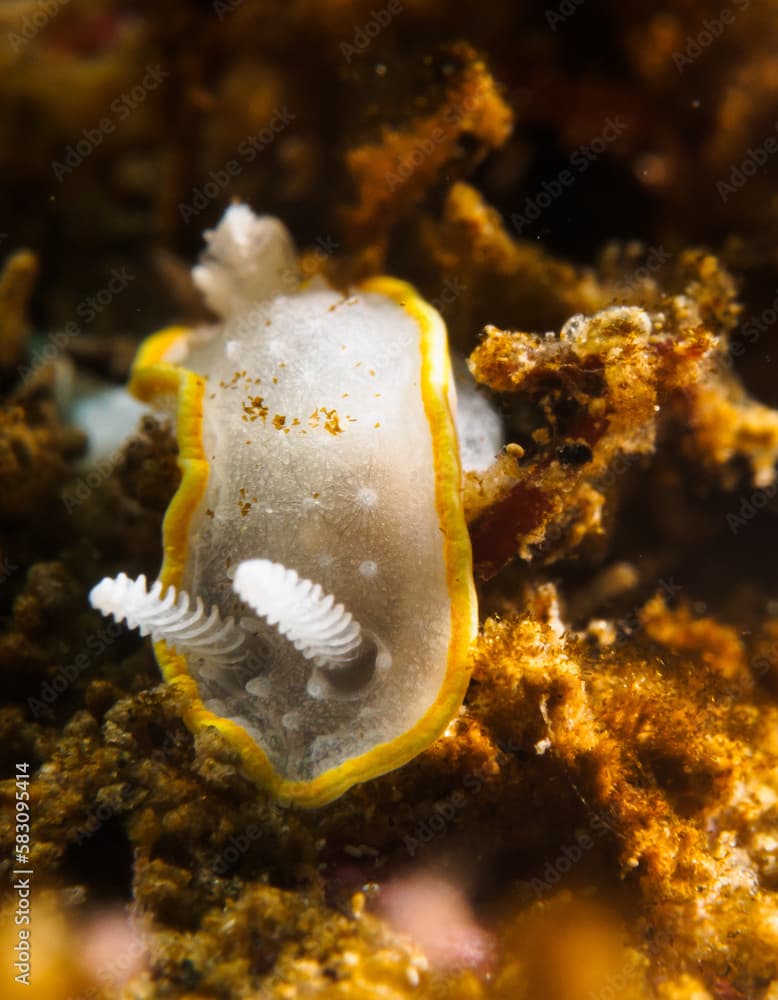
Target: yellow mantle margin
153, 378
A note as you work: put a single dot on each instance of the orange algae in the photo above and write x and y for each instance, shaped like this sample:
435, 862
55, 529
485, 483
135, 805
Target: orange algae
613, 770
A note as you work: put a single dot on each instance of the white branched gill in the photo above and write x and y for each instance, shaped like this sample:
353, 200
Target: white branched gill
249, 258
170, 618
322, 630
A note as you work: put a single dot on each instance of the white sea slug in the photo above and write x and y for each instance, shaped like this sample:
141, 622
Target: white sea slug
316, 599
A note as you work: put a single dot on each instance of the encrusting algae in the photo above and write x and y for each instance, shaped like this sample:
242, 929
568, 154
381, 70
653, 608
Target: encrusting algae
606, 390
599, 820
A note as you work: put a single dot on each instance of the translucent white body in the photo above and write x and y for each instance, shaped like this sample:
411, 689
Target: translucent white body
320, 458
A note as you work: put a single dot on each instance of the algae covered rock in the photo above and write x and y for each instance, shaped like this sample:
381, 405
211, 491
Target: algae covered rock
585, 193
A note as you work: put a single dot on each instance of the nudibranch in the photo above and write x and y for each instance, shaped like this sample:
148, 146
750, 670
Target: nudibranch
316, 599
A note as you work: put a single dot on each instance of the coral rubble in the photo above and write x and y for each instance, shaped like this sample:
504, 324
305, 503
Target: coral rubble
586, 194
